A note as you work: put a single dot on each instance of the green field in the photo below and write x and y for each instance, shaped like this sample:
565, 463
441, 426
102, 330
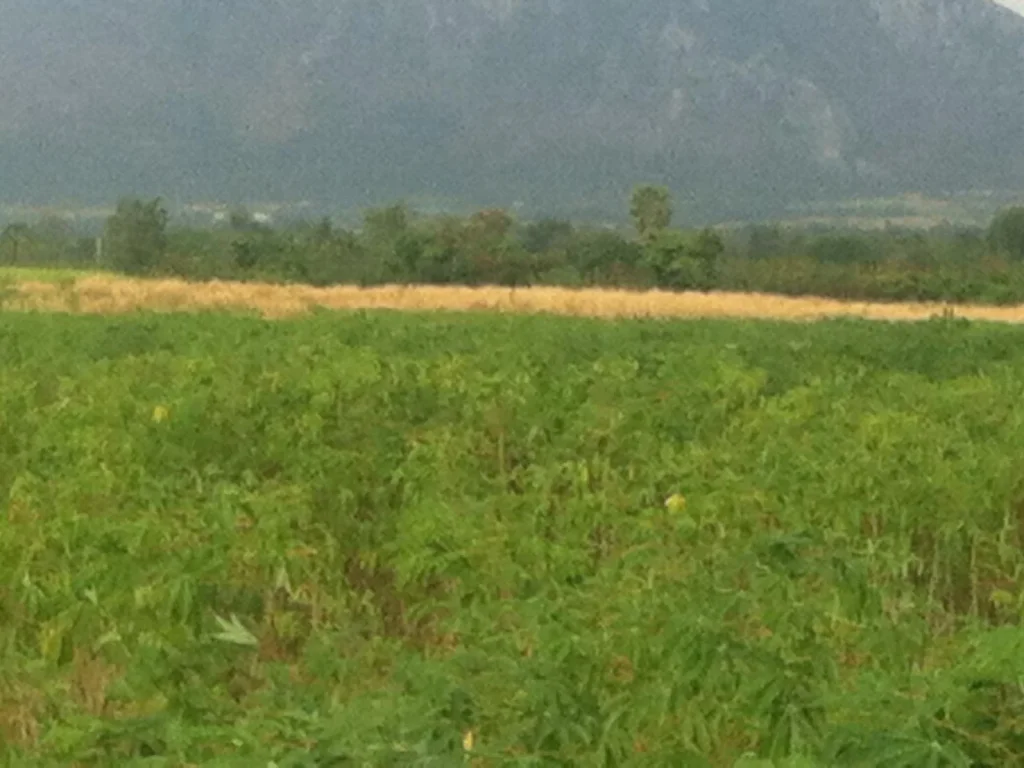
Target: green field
436, 540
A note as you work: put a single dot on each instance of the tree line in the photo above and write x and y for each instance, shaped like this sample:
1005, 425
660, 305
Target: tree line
490, 247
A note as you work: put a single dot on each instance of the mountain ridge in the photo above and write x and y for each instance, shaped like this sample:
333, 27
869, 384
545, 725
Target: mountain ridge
741, 106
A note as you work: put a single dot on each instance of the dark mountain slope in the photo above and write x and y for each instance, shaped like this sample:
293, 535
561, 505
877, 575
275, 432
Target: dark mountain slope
739, 105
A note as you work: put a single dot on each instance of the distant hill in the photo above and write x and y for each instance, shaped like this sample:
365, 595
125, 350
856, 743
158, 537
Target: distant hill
742, 106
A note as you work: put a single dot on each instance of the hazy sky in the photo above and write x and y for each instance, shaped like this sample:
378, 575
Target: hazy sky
1017, 5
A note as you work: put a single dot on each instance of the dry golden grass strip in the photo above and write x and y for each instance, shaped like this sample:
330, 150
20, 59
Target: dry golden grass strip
111, 295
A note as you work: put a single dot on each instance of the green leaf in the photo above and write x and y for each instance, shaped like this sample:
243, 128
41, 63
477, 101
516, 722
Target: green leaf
235, 633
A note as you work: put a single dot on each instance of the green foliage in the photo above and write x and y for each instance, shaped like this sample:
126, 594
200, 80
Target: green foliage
384, 226
546, 235
651, 210
135, 237
51, 241
246, 255
359, 539
8, 290
764, 242
684, 261
1007, 232
843, 249
601, 257
945, 264
13, 240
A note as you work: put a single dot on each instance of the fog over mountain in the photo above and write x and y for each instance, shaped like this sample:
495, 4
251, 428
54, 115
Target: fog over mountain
741, 106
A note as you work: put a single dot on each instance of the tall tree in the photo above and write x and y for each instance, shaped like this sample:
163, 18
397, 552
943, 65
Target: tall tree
651, 209
384, 226
548, 233
390, 243
1006, 233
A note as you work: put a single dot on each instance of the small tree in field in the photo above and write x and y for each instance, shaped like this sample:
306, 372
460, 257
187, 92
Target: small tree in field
13, 237
136, 236
651, 209
1006, 234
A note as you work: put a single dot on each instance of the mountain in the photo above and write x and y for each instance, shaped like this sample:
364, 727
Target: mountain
741, 106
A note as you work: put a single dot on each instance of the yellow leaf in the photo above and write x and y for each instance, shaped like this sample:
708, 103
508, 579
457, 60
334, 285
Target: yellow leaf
1001, 598
160, 413
675, 503
467, 741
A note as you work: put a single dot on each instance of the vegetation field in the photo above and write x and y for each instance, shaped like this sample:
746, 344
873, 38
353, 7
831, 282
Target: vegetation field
111, 294
412, 539
43, 274
397, 245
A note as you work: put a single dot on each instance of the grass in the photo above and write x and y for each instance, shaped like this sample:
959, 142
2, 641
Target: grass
45, 274
400, 539
107, 294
